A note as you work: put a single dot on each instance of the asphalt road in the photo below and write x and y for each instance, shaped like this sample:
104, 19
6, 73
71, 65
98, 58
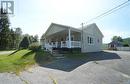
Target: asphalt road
5, 52
108, 67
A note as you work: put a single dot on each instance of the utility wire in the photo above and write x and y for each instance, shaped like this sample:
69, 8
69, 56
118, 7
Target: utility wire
114, 11
110, 11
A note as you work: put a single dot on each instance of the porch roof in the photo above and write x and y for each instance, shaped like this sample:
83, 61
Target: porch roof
60, 28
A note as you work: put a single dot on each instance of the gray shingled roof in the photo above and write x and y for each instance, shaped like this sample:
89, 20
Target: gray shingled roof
117, 43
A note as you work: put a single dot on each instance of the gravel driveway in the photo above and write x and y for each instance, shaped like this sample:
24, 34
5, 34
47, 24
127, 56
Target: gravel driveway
107, 67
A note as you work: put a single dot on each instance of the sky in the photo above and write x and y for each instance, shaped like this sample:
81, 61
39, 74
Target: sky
35, 16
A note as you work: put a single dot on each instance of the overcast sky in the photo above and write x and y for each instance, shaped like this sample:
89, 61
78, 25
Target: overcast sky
34, 16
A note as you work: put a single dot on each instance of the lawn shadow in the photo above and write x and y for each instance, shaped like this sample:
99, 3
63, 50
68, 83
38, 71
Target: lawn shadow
27, 54
67, 64
42, 57
14, 52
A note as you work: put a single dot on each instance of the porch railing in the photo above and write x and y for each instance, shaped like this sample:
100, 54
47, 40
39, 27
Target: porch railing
48, 47
63, 44
75, 44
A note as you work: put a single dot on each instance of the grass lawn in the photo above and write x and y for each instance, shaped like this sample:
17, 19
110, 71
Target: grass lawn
21, 60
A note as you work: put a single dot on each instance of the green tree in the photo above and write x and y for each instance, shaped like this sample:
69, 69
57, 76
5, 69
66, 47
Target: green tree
5, 32
117, 38
33, 39
24, 43
12, 39
126, 42
36, 38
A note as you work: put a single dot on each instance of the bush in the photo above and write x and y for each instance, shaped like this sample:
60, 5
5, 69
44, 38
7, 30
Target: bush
125, 45
34, 46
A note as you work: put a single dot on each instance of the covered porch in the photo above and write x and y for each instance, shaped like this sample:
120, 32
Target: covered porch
68, 38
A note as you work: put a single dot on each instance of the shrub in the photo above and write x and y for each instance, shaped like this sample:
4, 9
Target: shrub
125, 45
34, 46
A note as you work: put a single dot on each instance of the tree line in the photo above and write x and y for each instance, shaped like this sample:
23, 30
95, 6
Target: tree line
12, 38
124, 42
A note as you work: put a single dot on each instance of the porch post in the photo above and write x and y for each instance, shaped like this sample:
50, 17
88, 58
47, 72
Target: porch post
69, 43
45, 40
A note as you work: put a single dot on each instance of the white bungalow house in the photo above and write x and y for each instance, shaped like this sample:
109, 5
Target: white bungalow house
57, 36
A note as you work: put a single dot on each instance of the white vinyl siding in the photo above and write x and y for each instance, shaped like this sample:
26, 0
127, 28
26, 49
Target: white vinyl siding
92, 39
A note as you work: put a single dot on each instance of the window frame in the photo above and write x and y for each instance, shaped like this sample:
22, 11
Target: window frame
90, 40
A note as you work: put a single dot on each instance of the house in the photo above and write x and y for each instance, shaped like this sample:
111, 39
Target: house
87, 39
114, 44
117, 45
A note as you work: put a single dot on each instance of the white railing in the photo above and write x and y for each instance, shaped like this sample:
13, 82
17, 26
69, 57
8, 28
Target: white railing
54, 44
48, 47
75, 44
63, 44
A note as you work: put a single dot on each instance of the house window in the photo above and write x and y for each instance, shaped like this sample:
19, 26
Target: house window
90, 40
72, 38
98, 40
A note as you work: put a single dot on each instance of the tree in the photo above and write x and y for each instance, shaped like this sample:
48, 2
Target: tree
18, 36
117, 38
5, 32
12, 39
36, 38
126, 42
24, 43
31, 39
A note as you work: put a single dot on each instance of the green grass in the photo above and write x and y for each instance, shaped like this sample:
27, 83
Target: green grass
21, 60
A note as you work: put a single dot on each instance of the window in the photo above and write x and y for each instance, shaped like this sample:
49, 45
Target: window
98, 40
90, 40
72, 38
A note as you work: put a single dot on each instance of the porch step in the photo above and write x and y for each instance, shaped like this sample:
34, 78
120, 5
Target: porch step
58, 55
60, 51
55, 51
